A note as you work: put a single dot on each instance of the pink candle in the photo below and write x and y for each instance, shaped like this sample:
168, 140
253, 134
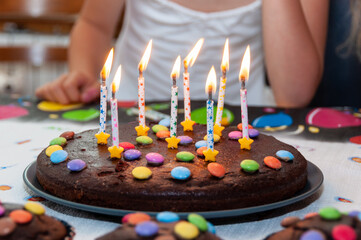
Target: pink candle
114, 107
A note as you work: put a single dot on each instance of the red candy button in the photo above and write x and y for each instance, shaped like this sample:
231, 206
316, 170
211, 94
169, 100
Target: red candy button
136, 218
126, 218
343, 232
200, 151
272, 162
240, 127
21, 216
126, 145
216, 169
162, 134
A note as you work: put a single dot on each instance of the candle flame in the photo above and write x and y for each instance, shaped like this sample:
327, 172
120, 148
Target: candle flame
193, 54
211, 84
225, 59
116, 80
145, 59
246, 62
176, 68
107, 65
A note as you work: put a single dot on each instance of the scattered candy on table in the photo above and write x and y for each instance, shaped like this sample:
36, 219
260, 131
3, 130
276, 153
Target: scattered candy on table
154, 159
49, 150
142, 173
144, 140
76, 165
272, 162
185, 156
285, 155
180, 173
249, 166
58, 156
132, 154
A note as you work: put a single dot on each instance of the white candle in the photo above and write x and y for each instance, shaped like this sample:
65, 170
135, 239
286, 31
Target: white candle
211, 86
174, 98
243, 77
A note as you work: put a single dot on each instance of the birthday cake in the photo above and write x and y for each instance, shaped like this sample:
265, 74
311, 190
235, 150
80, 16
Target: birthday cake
29, 222
151, 177
328, 223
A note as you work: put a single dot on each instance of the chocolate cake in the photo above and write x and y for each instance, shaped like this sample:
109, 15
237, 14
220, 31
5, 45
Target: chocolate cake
29, 222
109, 182
329, 223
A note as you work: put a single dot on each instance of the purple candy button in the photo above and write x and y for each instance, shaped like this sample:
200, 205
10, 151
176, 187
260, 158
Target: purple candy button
76, 165
154, 158
184, 140
132, 154
253, 133
147, 229
2, 210
235, 135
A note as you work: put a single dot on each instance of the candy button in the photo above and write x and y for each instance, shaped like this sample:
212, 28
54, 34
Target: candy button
312, 235
136, 218
216, 169
58, 141
272, 162
239, 126
2, 210
235, 135
249, 166
132, 154
216, 138
288, 221
199, 221
144, 140
163, 134
184, 140
154, 158
21, 216
67, 135
52, 149
147, 229
34, 208
343, 232
354, 213
186, 230
184, 156
167, 217
126, 217
330, 213
141, 173
253, 133
200, 151
285, 155
310, 215
126, 145
201, 143
76, 165
7, 226
58, 156
180, 173
211, 228
157, 128
165, 122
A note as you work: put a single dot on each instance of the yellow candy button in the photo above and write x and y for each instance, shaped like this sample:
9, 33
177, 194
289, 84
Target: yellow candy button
216, 138
34, 208
186, 230
141, 173
52, 149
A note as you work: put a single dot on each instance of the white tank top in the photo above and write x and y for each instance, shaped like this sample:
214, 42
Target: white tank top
174, 30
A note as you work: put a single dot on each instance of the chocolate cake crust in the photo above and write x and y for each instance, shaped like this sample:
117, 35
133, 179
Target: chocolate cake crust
109, 183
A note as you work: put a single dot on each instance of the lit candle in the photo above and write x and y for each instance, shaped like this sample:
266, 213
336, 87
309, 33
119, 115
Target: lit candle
188, 62
142, 129
211, 86
243, 77
115, 150
102, 136
173, 140
222, 90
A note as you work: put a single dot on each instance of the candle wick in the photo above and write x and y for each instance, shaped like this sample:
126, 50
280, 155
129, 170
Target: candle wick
224, 73
185, 69
210, 95
174, 81
243, 83
140, 73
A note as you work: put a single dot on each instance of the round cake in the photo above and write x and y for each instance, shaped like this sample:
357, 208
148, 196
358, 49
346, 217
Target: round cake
110, 182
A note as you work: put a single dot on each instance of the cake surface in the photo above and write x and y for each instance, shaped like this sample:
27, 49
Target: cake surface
109, 182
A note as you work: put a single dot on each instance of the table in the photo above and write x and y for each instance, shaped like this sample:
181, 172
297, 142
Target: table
24, 137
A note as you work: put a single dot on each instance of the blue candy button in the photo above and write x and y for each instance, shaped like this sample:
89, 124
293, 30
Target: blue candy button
132, 154
180, 173
167, 217
58, 156
147, 229
313, 235
211, 228
201, 143
76, 165
285, 155
165, 122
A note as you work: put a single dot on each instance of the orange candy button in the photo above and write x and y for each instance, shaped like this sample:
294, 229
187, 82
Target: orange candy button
239, 126
216, 169
136, 218
200, 151
21, 216
272, 162
163, 134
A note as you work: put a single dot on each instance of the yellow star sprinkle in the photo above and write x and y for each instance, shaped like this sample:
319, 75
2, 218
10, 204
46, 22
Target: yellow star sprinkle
218, 129
188, 125
142, 130
102, 137
245, 143
115, 152
172, 142
210, 155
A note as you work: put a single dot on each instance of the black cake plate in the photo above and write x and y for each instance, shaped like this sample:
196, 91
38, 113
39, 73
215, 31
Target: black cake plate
314, 182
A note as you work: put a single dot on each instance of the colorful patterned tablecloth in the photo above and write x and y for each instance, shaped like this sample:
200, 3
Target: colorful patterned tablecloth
25, 131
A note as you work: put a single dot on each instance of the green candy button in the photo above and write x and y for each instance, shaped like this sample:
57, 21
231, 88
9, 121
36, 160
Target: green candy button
249, 166
58, 141
145, 140
185, 156
199, 221
157, 128
330, 213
